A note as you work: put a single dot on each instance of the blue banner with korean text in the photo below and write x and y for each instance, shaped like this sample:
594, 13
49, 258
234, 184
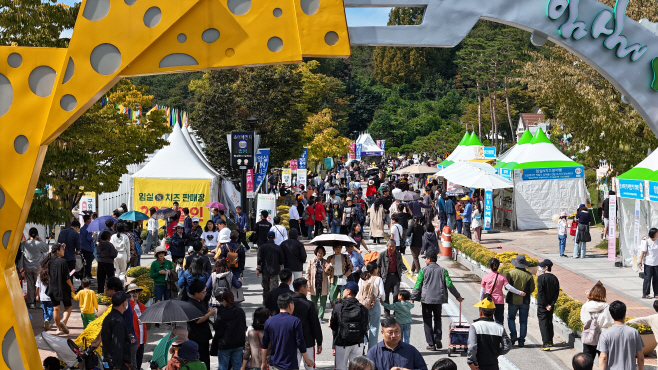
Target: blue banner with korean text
554, 173
488, 209
302, 160
652, 189
633, 189
263, 160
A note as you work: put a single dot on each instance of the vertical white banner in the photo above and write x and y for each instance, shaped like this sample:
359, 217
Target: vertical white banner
612, 228
286, 177
301, 177
267, 202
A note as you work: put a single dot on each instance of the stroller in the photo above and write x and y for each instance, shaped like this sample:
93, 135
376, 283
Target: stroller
68, 352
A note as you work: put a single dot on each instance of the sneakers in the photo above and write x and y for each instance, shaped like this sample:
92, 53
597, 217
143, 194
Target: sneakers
31, 306
46, 325
59, 332
513, 340
521, 344
544, 347
65, 329
438, 344
430, 348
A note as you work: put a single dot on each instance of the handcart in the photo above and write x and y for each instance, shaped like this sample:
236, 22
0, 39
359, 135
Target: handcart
458, 335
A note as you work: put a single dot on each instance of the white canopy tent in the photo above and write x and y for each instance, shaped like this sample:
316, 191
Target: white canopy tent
368, 146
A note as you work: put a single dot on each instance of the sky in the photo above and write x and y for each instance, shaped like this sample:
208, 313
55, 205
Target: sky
355, 16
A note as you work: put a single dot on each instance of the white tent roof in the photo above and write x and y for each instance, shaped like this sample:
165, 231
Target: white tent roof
650, 162
462, 167
368, 146
178, 160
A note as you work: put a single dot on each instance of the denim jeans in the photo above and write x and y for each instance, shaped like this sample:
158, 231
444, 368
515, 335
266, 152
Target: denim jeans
310, 231
151, 242
374, 315
523, 310
47, 307
160, 291
335, 229
451, 221
562, 240
578, 248
234, 356
406, 332
459, 226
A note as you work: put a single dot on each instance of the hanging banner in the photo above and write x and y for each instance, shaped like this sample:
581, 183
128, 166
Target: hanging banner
554, 173
506, 173
652, 190
88, 202
250, 183
612, 228
293, 165
301, 177
379, 144
633, 189
636, 228
383, 145
303, 159
266, 202
489, 152
263, 160
231, 193
159, 193
286, 178
488, 208
358, 151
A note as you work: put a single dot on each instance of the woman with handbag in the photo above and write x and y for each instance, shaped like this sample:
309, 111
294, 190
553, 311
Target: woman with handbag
594, 314
318, 281
371, 293
476, 224
582, 233
492, 285
338, 268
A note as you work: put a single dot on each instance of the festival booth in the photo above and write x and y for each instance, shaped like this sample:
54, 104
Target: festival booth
178, 172
637, 202
469, 149
546, 182
368, 146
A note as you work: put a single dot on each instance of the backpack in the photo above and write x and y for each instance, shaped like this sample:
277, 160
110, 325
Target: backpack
305, 215
366, 295
351, 328
219, 286
358, 214
232, 257
591, 330
370, 256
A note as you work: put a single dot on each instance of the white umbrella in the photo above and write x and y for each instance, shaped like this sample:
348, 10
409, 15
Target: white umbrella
464, 166
415, 169
329, 240
484, 180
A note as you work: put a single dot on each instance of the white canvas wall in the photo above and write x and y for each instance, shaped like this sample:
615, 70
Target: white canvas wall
537, 201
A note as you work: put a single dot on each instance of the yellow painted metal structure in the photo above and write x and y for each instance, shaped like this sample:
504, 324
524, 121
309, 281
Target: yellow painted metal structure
43, 91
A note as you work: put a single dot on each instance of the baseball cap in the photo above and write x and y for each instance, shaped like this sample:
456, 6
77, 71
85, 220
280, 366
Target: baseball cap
271, 234
179, 225
545, 263
195, 219
352, 286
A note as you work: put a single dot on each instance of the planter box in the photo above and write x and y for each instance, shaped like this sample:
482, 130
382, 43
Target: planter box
649, 343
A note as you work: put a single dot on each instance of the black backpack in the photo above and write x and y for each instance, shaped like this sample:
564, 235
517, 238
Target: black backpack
352, 322
219, 286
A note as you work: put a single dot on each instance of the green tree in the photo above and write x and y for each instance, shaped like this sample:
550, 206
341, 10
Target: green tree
226, 98
438, 142
94, 152
171, 90
36, 22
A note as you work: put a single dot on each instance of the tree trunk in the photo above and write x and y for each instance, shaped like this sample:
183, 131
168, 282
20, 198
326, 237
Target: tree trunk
477, 85
509, 114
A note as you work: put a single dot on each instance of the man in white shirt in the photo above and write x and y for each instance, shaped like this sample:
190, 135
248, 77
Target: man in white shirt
293, 213
396, 233
280, 232
396, 191
152, 233
224, 231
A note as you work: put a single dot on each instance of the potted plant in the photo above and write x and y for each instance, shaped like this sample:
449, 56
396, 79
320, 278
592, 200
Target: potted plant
648, 338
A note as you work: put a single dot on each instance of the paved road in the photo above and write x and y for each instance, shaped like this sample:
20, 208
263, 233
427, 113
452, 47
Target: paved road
468, 286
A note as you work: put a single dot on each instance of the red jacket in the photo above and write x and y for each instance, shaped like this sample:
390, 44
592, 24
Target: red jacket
319, 211
311, 213
138, 328
371, 191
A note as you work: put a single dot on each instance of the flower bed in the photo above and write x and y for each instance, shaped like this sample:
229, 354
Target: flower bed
282, 211
138, 271
566, 308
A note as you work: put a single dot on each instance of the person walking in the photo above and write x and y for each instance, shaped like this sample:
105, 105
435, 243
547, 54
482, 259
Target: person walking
115, 336
522, 280
222, 280
152, 227
487, 339
160, 268
620, 345
280, 232
178, 244
391, 267
88, 302
210, 235
106, 254
230, 328
87, 245
396, 234
335, 217
376, 214
199, 329
492, 285
402, 309
241, 224
122, 246
33, 251
648, 262
476, 225
562, 233
338, 269
320, 216
371, 293
293, 216
305, 311
430, 241
391, 353
294, 254
285, 276
357, 263
431, 288
269, 260
595, 309
416, 234
234, 254
357, 235
140, 329
582, 233
41, 287
310, 221
262, 228
197, 253
349, 324
70, 238
318, 280
467, 216
251, 357
285, 333
196, 272
450, 211
548, 291
582, 361
60, 287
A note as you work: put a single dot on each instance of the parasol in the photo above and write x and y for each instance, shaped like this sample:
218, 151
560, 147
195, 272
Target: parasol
99, 223
171, 311
328, 240
134, 216
217, 205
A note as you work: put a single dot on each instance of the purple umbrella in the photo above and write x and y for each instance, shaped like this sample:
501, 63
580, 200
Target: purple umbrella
217, 205
99, 223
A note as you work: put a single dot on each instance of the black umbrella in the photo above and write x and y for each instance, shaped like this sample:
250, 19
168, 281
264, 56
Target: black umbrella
164, 213
171, 311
